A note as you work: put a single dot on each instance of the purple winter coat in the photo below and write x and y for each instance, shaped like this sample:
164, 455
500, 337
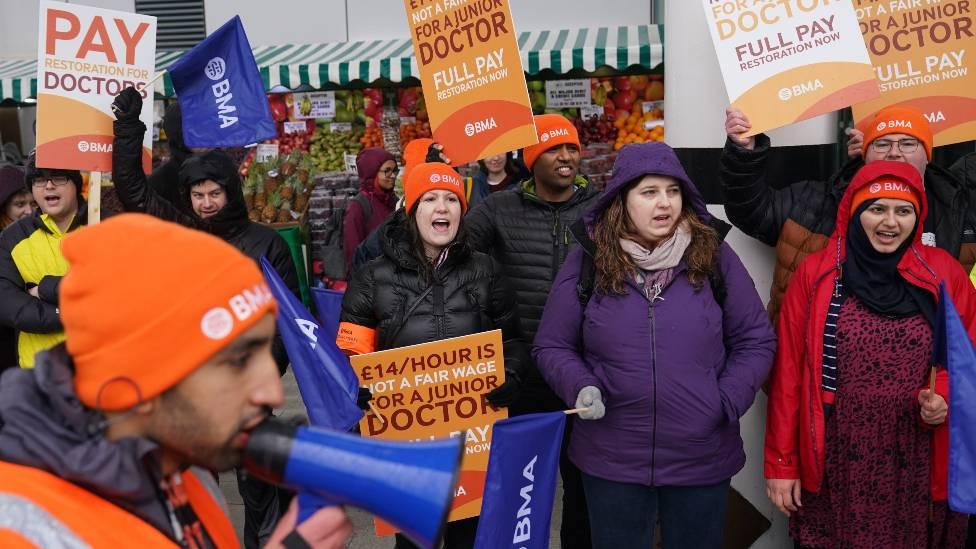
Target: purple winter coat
676, 374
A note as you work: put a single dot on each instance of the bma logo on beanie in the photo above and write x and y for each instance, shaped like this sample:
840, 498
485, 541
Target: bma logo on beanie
894, 125
552, 134
218, 323
445, 178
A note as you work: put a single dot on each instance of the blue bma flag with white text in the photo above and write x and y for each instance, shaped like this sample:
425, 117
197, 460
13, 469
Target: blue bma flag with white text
954, 350
220, 91
521, 483
327, 383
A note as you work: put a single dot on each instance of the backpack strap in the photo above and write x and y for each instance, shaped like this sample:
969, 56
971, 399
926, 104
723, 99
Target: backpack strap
715, 278
587, 275
365, 205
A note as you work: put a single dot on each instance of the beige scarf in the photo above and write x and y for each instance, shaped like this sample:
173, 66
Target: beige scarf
657, 265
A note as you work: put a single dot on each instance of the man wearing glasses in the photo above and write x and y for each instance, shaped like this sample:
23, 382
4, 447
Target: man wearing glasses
798, 218
31, 264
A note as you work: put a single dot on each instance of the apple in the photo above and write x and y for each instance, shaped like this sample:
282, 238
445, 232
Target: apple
639, 82
622, 83
624, 99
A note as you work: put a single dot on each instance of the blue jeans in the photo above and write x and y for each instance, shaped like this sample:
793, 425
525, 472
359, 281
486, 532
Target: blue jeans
624, 515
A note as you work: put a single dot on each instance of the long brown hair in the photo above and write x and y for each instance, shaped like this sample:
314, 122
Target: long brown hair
613, 265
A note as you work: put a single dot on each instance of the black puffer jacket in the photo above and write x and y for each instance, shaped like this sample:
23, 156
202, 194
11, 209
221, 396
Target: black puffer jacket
530, 238
230, 224
798, 218
165, 179
469, 294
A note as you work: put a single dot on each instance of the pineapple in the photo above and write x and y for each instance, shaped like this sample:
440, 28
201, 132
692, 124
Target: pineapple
260, 201
270, 182
302, 200
270, 211
249, 188
284, 209
287, 166
254, 215
287, 190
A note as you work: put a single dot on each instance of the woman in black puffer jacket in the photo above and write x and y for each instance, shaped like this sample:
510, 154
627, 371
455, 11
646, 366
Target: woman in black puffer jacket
430, 285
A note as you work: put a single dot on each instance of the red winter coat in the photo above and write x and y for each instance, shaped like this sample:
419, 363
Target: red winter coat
795, 436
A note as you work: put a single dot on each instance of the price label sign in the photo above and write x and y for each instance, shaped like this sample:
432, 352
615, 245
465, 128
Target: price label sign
314, 105
295, 127
648, 106
340, 127
266, 152
590, 111
562, 94
350, 163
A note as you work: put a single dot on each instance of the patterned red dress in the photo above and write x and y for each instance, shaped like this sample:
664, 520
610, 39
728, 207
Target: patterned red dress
876, 477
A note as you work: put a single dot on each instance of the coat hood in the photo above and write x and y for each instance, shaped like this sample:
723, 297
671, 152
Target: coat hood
870, 172
44, 425
217, 166
638, 160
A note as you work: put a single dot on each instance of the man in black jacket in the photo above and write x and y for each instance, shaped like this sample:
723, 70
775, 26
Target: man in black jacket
527, 231
211, 200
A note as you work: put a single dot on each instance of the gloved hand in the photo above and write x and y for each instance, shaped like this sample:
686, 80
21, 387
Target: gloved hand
365, 395
436, 154
127, 105
504, 395
589, 397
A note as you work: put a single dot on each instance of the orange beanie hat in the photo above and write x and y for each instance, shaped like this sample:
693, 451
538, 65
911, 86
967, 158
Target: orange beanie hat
146, 302
904, 120
415, 153
889, 185
553, 130
433, 176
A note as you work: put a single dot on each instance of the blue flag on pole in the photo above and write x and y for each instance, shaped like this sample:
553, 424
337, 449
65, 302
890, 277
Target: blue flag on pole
220, 91
521, 482
954, 350
328, 305
328, 385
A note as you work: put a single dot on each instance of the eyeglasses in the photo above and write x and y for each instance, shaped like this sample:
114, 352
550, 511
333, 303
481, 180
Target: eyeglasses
904, 145
58, 180
389, 172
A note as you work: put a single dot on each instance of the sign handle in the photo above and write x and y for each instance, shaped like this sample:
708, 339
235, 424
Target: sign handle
94, 198
377, 413
932, 383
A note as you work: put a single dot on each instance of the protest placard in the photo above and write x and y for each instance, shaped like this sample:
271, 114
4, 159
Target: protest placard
436, 390
918, 48
471, 71
86, 56
789, 60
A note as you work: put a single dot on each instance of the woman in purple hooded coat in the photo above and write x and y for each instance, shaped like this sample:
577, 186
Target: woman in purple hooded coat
665, 354
377, 174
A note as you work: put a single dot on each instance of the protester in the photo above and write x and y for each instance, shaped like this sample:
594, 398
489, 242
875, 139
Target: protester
165, 179
211, 200
798, 218
856, 446
496, 173
428, 285
16, 202
527, 231
31, 264
664, 353
375, 202
107, 442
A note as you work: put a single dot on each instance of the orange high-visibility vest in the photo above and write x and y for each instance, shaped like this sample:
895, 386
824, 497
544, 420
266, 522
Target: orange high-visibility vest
40, 511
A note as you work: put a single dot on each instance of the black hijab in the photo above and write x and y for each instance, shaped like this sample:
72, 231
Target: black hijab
873, 276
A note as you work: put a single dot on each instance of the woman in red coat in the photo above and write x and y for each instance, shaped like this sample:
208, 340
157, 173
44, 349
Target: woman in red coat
856, 446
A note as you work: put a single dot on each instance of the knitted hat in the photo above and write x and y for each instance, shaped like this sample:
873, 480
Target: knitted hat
12, 181
904, 120
891, 181
146, 302
415, 153
553, 130
433, 176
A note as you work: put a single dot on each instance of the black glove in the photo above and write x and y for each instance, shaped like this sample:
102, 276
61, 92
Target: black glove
365, 395
127, 105
504, 395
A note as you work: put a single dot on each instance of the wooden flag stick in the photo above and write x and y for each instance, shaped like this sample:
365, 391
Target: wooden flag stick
574, 411
377, 413
159, 75
94, 198
932, 383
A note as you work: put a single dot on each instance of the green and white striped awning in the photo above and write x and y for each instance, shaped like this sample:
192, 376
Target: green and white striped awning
339, 63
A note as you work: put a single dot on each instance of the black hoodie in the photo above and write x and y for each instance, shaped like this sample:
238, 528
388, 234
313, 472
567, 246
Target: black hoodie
230, 224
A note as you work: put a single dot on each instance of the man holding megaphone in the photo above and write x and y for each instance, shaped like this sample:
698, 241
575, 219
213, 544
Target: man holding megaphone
166, 370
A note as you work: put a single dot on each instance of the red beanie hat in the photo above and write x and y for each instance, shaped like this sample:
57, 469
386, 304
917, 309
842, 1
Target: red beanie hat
146, 302
552, 130
904, 120
433, 176
887, 179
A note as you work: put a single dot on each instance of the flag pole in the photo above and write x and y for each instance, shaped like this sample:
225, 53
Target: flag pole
575, 411
159, 75
932, 383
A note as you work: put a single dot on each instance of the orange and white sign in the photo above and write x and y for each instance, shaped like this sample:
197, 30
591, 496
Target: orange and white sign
789, 60
86, 56
437, 390
922, 53
471, 71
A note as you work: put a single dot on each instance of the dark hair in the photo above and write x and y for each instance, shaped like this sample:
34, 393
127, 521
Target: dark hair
511, 166
417, 250
613, 264
4, 220
33, 172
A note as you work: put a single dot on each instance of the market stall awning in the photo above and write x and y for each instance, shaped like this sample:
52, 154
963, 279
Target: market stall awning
339, 63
